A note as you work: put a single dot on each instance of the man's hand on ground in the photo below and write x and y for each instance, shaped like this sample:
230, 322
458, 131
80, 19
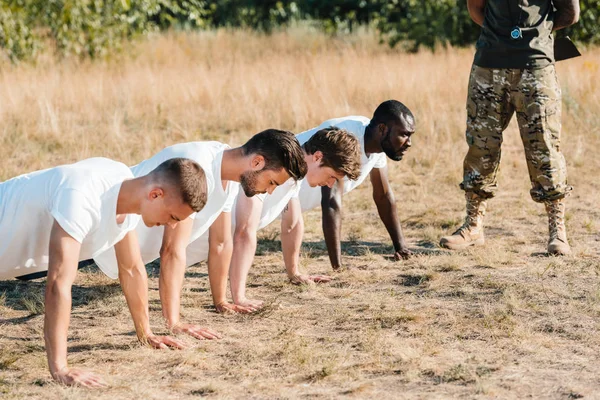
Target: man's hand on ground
257, 304
75, 376
402, 254
195, 331
229, 308
301, 279
164, 342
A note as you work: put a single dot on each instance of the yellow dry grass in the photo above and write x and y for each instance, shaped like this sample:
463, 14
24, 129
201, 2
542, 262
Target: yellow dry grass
504, 321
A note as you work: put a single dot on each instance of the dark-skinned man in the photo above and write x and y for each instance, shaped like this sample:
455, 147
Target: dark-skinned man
513, 72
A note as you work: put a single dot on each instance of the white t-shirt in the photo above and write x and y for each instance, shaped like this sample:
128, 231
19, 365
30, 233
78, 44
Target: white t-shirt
210, 156
311, 197
274, 203
81, 197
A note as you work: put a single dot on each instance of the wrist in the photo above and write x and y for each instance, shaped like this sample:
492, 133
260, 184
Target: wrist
238, 296
399, 246
219, 303
172, 322
144, 332
56, 368
293, 273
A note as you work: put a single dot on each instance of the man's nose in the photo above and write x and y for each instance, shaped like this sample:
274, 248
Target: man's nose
330, 183
408, 142
270, 189
172, 224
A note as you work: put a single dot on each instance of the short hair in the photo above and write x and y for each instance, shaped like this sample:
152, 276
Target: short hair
392, 111
188, 177
341, 150
280, 149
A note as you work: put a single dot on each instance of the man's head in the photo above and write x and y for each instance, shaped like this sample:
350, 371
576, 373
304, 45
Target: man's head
332, 153
177, 188
275, 156
393, 123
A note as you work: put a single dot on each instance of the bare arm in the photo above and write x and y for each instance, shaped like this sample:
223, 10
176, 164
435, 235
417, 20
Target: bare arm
567, 13
134, 282
476, 10
172, 274
386, 207
331, 208
247, 213
219, 259
172, 269
292, 230
62, 269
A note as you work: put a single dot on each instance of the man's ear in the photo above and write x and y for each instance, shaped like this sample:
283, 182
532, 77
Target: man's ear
156, 193
381, 128
318, 157
257, 163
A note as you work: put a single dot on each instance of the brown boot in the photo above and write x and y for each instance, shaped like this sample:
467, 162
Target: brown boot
471, 232
557, 244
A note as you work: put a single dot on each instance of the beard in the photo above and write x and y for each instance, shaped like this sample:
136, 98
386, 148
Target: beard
248, 182
388, 149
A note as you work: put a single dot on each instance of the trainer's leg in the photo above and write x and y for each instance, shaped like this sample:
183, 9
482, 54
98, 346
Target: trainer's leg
538, 114
489, 111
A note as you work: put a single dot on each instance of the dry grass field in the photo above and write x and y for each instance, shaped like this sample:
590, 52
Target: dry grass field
504, 321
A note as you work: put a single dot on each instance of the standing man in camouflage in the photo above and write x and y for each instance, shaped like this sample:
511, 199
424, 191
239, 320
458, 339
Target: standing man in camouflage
513, 71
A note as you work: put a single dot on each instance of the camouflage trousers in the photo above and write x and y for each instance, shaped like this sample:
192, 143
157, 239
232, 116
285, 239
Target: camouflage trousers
494, 96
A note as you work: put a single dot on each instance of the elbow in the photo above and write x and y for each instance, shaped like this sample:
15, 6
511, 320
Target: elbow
575, 18
331, 204
291, 226
384, 197
222, 246
57, 290
477, 14
169, 252
244, 235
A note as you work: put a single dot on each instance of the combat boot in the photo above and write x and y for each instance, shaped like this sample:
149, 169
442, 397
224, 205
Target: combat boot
471, 232
557, 243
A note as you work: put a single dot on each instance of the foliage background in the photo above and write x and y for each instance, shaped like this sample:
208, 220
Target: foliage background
96, 27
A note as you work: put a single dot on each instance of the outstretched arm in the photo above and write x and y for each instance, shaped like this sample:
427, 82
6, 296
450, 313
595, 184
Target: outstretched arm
170, 283
567, 13
476, 10
62, 269
247, 217
219, 258
331, 208
386, 207
134, 282
292, 230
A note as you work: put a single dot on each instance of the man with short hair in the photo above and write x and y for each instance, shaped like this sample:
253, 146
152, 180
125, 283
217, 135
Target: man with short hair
51, 219
513, 72
388, 133
330, 155
266, 161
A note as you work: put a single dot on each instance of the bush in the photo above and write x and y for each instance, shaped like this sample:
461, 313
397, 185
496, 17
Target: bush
95, 27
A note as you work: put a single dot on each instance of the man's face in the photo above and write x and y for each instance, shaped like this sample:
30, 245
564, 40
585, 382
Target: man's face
396, 139
320, 175
263, 181
163, 209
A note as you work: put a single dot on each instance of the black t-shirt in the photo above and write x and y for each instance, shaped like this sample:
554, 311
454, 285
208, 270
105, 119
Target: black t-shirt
534, 18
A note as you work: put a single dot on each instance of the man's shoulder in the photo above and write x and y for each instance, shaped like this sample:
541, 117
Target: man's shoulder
94, 167
348, 123
194, 150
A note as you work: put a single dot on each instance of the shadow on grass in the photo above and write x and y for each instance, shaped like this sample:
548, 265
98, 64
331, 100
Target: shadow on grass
80, 348
29, 296
350, 248
153, 269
